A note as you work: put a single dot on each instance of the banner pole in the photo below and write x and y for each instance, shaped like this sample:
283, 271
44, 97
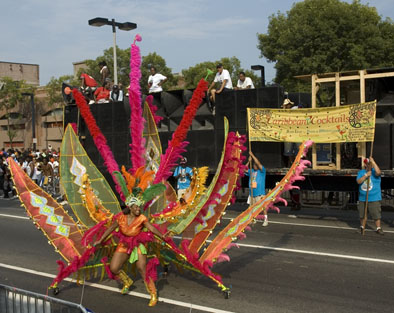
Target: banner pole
366, 196
250, 162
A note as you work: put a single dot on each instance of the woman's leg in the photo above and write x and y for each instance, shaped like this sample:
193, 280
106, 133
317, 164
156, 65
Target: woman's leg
150, 284
117, 262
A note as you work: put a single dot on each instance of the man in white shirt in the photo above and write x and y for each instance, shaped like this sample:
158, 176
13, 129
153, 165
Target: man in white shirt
244, 82
155, 81
223, 77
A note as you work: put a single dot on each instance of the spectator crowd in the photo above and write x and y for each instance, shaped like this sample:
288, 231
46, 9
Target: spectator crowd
42, 167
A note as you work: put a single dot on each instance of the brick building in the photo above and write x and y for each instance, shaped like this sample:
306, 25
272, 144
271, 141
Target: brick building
48, 120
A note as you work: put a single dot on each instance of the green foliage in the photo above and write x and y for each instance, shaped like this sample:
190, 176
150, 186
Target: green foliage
194, 74
11, 94
54, 87
318, 36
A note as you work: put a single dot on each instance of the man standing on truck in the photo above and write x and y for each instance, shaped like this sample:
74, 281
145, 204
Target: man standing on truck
183, 174
369, 178
256, 175
155, 81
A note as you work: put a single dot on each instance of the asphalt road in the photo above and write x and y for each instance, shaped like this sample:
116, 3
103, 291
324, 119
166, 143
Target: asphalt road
315, 261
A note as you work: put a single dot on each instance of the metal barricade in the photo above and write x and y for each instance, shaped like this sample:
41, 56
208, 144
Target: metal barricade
14, 300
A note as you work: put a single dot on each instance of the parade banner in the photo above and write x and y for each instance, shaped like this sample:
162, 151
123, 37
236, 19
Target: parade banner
347, 123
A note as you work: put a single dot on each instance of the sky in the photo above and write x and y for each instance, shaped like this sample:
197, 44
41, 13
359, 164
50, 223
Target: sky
55, 33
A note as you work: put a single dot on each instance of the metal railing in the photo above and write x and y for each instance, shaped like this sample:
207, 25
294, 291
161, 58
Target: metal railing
14, 300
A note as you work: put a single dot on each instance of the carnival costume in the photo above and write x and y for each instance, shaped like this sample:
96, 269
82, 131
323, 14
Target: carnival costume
96, 207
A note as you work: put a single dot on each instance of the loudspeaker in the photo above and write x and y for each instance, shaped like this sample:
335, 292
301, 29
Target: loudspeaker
70, 114
270, 97
301, 99
270, 154
382, 152
225, 106
171, 101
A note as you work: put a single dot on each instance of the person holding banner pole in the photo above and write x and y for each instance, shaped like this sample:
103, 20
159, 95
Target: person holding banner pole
256, 175
370, 194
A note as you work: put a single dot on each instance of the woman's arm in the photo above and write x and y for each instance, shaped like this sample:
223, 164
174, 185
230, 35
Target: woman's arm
153, 229
106, 233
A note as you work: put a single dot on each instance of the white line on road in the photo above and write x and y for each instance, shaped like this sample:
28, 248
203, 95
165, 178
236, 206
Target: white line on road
317, 226
131, 293
271, 222
334, 255
25, 218
15, 216
293, 250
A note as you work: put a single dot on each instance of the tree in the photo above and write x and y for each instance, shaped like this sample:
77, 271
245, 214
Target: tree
54, 88
193, 74
318, 36
11, 94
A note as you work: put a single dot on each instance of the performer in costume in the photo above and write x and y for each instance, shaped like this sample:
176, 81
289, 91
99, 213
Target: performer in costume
256, 182
130, 224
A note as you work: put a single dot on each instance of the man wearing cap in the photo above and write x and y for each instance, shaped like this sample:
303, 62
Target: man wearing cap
223, 77
183, 174
370, 176
290, 148
290, 151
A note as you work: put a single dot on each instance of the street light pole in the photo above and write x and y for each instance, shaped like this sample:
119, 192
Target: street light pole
100, 21
115, 59
260, 68
33, 118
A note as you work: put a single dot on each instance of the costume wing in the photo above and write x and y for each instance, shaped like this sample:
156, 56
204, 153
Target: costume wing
205, 208
238, 225
176, 216
87, 191
49, 216
220, 194
153, 153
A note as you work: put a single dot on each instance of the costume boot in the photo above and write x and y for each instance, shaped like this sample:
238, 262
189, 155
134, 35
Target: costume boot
127, 282
151, 288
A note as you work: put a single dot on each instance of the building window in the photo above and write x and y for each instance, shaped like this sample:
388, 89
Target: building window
54, 124
15, 144
14, 127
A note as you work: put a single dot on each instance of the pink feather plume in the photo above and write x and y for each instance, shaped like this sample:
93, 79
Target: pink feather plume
137, 146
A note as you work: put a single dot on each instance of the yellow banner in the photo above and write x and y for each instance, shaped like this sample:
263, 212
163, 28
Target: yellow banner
347, 123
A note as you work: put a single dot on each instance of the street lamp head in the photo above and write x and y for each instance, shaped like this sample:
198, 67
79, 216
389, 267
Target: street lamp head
127, 26
99, 21
257, 67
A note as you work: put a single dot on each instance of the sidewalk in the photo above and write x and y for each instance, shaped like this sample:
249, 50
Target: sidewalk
317, 216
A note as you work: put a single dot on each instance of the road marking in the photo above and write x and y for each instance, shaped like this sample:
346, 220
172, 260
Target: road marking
334, 255
15, 216
317, 226
108, 288
229, 218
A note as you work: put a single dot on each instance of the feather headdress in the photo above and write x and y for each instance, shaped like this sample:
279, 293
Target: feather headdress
140, 187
